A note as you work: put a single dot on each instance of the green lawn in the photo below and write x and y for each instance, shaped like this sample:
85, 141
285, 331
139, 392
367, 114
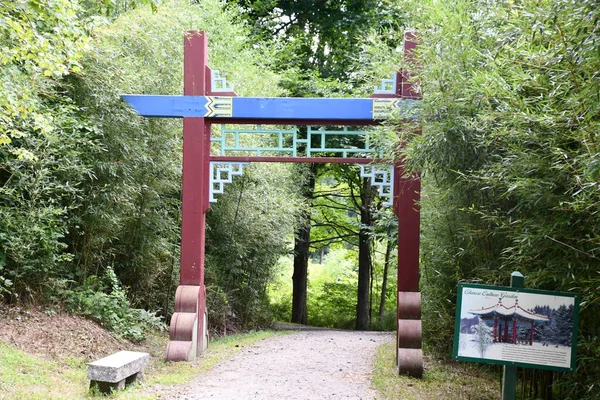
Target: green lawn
23, 376
442, 380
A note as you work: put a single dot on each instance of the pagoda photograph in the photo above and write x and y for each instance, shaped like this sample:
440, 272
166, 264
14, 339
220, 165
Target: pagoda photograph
519, 327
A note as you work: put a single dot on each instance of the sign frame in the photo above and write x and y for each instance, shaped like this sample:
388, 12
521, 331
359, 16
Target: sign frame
503, 289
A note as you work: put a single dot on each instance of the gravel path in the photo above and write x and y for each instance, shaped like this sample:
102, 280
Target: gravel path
319, 364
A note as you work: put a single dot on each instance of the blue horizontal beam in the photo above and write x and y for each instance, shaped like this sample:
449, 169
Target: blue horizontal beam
270, 108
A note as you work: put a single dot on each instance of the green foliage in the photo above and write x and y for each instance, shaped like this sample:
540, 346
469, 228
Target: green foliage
509, 155
331, 294
41, 41
335, 219
331, 291
334, 307
219, 311
320, 37
321, 45
248, 233
132, 210
43, 146
105, 301
114, 8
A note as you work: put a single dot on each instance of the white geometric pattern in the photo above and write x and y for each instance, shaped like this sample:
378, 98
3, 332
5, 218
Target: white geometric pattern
388, 86
218, 83
222, 173
382, 177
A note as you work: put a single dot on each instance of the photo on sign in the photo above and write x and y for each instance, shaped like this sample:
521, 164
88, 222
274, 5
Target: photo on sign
515, 327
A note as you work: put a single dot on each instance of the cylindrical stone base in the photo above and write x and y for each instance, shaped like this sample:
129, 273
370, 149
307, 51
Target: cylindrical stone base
410, 362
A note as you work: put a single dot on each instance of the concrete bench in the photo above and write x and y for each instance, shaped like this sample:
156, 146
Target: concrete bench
115, 371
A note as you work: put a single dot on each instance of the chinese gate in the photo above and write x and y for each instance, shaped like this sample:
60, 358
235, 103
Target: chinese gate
209, 99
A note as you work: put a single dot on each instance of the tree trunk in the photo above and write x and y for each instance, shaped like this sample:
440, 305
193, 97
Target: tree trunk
300, 277
371, 282
386, 265
364, 258
302, 253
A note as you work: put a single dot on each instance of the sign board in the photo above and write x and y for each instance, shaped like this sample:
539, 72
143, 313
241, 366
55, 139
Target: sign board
518, 327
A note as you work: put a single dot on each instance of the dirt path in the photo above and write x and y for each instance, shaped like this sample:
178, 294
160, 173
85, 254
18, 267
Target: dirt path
320, 364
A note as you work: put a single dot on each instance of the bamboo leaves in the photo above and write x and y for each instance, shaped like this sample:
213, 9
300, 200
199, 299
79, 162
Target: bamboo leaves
509, 148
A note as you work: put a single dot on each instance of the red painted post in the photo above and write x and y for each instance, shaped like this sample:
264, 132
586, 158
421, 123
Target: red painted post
407, 191
195, 171
495, 329
514, 332
188, 323
531, 337
408, 90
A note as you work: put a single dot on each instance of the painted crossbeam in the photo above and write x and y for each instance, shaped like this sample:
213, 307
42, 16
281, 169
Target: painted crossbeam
315, 160
270, 108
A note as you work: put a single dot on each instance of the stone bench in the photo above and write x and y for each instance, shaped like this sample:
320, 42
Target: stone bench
115, 371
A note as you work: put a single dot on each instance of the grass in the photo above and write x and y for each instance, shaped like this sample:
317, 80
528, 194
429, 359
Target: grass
442, 380
25, 376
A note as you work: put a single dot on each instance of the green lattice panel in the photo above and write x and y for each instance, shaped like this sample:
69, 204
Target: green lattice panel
319, 142
256, 141
332, 142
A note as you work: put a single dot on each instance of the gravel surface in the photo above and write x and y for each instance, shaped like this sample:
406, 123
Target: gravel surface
320, 364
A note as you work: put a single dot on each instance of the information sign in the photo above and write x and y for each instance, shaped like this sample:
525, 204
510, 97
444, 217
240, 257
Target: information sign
520, 327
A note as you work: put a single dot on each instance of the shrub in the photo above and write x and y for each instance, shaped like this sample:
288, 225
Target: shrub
105, 301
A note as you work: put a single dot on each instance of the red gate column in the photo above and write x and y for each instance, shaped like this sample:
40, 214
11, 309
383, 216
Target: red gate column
407, 191
188, 331
409, 333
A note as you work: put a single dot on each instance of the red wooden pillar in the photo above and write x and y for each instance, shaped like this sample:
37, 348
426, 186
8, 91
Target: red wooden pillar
407, 190
187, 332
495, 329
407, 194
531, 336
514, 332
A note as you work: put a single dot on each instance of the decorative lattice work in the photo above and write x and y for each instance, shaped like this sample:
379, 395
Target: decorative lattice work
219, 83
268, 141
382, 177
222, 173
388, 86
256, 141
341, 142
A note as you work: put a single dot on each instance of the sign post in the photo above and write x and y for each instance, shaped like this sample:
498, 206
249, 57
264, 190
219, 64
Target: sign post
516, 327
509, 376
